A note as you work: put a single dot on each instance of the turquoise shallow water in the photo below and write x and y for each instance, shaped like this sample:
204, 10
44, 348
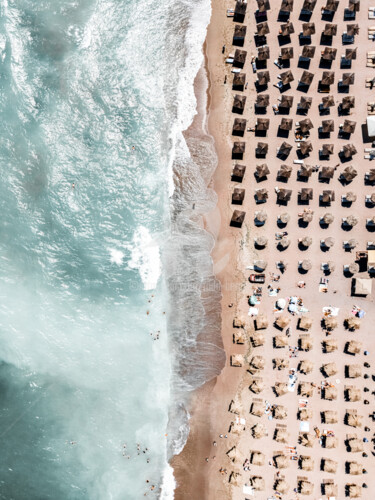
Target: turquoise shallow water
93, 98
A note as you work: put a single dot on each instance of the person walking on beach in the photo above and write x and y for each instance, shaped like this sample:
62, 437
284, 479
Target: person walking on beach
223, 49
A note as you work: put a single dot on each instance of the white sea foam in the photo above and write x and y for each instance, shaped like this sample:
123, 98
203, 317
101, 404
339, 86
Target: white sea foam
117, 256
145, 256
168, 485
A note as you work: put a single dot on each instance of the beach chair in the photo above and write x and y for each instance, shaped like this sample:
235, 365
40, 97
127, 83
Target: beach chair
371, 12
370, 245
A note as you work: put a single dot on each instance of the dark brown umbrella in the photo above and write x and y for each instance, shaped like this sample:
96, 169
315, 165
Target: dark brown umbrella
262, 148
306, 125
354, 5
307, 77
287, 53
328, 126
263, 100
286, 101
327, 149
351, 197
349, 173
238, 195
285, 149
237, 218
328, 196
348, 79
286, 124
371, 175
238, 171
286, 29
328, 77
263, 53
349, 150
349, 127
240, 9
284, 194
352, 29
331, 5
308, 51
286, 6
328, 101
306, 147
263, 77
309, 5
308, 29
285, 171
239, 102
239, 80
329, 54
239, 126
239, 57
263, 29
238, 148
348, 102
239, 32
261, 194
263, 5
262, 124
327, 173
286, 77
305, 171
306, 194
330, 29
305, 102
350, 54
262, 170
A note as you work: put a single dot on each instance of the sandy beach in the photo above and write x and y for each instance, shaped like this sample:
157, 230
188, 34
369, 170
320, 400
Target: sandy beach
213, 435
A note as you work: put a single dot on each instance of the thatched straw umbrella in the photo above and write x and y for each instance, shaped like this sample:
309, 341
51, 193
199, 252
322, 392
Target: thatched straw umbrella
328, 266
262, 29
327, 173
330, 345
329, 369
286, 6
284, 243
306, 241
235, 407
347, 79
353, 347
285, 171
286, 77
282, 322
257, 409
261, 195
256, 386
306, 265
349, 126
352, 220
305, 125
237, 218
238, 196
330, 489
285, 149
353, 490
233, 454
307, 216
263, 5
286, 53
261, 149
261, 241
306, 366
308, 52
308, 29
327, 149
281, 363
328, 126
353, 419
354, 371
329, 465
263, 53
260, 265
328, 54
238, 172
263, 78
305, 343
330, 393
355, 445
258, 431
284, 218
281, 341
305, 102
236, 360
307, 439
354, 5
354, 468
330, 323
349, 173
305, 170
353, 268
281, 461
261, 322
305, 323
257, 458
257, 482
281, 486
349, 150
328, 77
283, 195
286, 101
280, 412
353, 394
305, 487
350, 197
372, 198
330, 29
305, 414
256, 364
257, 339
352, 243
262, 124
306, 389
286, 124
306, 79
239, 81
281, 436
281, 388
330, 417
353, 323
286, 29
348, 102
309, 5
330, 442
328, 242
239, 337
328, 196
306, 463
262, 170
306, 194
261, 216
234, 478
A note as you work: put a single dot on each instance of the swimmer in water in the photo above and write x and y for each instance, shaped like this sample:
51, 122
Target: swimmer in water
73, 185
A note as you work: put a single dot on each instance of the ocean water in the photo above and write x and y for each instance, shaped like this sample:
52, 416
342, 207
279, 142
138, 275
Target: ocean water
108, 307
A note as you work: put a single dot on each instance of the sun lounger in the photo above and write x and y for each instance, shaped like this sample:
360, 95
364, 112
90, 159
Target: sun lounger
230, 12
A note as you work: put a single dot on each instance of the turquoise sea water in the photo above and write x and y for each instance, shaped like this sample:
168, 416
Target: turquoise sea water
93, 98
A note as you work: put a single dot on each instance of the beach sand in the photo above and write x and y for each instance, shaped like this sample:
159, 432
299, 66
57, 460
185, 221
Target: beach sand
234, 251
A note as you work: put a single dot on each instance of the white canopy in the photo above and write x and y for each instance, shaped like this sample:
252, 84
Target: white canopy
363, 286
371, 126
